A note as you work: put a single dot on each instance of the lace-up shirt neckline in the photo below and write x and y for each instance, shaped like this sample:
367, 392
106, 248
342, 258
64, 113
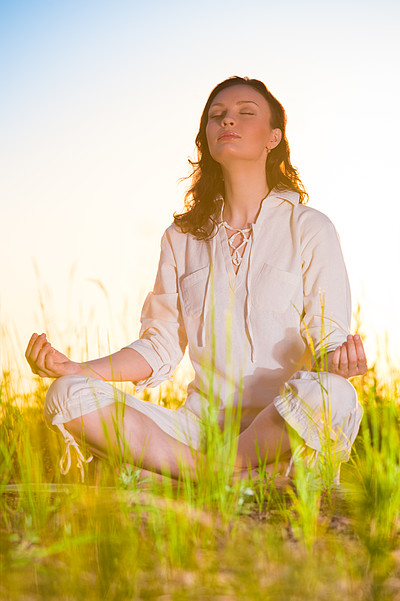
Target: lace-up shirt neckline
237, 242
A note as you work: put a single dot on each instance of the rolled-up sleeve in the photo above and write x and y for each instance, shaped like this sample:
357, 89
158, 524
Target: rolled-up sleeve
327, 298
162, 338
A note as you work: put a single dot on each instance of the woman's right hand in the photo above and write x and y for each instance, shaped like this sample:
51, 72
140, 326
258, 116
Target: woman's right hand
46, 361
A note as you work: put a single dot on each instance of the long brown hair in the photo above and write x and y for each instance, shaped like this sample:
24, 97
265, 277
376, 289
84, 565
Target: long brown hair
201, 200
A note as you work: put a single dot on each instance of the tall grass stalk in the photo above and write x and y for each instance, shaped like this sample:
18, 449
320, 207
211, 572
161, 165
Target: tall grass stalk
215, 538
215, 488
375, 486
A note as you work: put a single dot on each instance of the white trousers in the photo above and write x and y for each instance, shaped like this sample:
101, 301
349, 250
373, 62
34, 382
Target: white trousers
320, 407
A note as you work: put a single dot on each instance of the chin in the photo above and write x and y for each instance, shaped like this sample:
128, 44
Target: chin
226, 154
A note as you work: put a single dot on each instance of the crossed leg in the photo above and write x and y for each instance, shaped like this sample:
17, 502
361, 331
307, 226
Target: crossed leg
138, 440
135, 438
266, 439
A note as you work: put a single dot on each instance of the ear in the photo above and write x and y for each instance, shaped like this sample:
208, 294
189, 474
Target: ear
275, 138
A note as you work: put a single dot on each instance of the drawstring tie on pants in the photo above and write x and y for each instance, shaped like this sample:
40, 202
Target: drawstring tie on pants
70, 441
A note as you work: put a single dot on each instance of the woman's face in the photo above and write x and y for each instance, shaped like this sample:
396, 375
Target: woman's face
238, 126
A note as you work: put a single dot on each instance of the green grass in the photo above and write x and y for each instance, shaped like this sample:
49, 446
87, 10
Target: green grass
112, 538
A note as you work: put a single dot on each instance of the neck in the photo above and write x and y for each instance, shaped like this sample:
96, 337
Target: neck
245, 188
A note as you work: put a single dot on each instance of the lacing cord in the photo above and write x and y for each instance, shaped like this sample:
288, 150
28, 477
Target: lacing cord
236, 260
248, 305
236, 257
311, 462
296, 455
66, 458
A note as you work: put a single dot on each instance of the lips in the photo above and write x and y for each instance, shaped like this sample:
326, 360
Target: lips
228, 135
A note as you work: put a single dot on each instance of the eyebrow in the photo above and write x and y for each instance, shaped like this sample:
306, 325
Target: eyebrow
239, 102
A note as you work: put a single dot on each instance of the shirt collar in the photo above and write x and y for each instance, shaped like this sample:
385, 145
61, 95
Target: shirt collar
289, 195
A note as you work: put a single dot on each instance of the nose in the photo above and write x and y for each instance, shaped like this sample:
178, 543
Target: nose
227, 120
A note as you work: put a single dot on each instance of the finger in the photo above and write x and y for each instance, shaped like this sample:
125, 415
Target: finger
49, 360
41, 358
351, 354
30, 344
361, 357
28, 352
43, 374
37, 346
53, 363
343, 362
56, 355
47, 371
336, 358
34, 347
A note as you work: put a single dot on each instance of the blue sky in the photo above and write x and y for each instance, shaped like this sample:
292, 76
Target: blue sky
100, 105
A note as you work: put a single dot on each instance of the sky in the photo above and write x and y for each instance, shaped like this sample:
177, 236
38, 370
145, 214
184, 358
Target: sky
100, 105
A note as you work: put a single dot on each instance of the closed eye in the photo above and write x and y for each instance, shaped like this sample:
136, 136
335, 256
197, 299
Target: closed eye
220, 115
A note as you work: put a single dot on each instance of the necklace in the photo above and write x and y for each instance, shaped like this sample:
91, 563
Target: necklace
245, 233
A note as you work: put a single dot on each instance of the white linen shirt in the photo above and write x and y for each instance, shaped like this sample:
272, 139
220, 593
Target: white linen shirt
247, 333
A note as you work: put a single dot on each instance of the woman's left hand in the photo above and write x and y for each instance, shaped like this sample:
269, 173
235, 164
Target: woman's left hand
349, 359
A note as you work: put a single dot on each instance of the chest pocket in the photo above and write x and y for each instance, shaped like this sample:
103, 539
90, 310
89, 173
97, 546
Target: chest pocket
274, 289
193, 287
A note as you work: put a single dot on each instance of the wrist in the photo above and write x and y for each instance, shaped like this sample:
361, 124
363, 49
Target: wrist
86, 369
78, 369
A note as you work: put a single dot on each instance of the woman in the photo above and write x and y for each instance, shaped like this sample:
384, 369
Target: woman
254, 282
